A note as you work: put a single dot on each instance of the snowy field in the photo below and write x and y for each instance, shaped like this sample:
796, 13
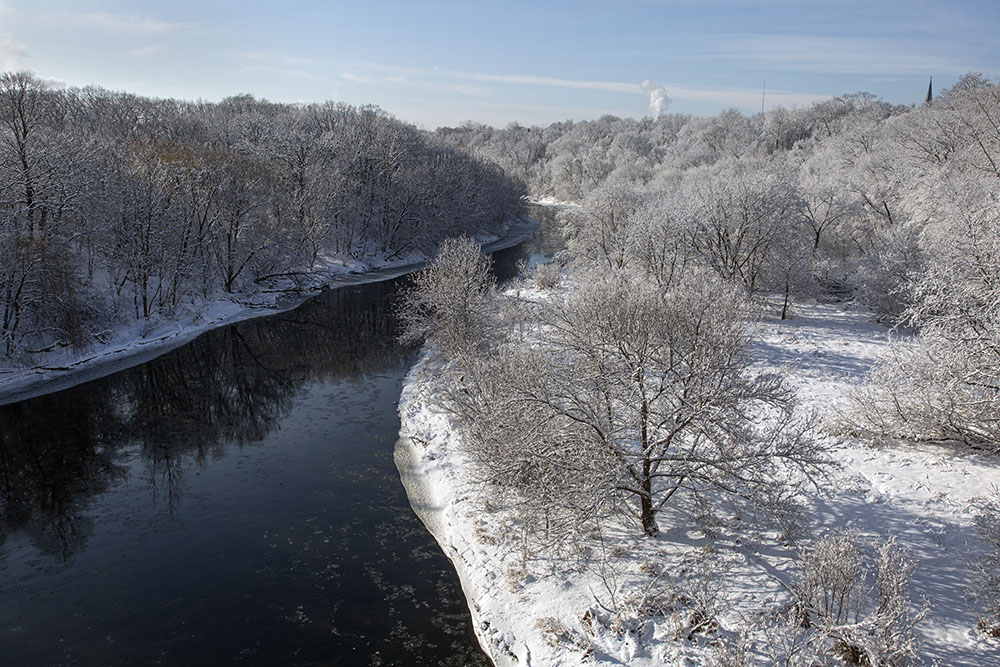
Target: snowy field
142, 341
538, 611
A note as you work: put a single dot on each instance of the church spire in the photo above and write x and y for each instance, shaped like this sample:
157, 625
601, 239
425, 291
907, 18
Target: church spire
930, 92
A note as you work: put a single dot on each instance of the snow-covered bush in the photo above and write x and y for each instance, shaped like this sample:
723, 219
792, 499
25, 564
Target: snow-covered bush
986, 588
861, 616
927, 390
849, 607
675, 598
735, 650
558, 635
547, 275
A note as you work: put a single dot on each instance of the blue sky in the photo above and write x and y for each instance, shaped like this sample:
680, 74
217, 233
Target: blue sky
441, 63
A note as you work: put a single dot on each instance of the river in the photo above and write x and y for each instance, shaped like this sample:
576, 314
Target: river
232, 501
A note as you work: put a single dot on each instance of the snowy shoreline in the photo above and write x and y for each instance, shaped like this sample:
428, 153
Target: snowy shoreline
128, 350
538, 613
434, 498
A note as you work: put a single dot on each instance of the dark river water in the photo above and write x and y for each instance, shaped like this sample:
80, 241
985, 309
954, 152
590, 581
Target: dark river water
233, 501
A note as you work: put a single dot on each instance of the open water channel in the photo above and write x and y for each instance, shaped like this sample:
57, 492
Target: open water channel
233, 501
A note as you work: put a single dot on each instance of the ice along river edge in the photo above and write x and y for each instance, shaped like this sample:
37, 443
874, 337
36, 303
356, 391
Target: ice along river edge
24, 384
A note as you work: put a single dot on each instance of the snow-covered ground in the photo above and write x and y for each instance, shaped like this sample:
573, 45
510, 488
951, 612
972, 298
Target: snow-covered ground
553, 202
544, 612
141, 341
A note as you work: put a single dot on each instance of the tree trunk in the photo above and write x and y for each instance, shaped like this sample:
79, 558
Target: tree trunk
784, 306
647, 512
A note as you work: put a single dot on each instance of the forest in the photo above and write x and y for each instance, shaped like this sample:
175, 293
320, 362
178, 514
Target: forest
118, 210
628, 389
849, 198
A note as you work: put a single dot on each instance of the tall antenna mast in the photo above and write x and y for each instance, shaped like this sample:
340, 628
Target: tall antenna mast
763, 91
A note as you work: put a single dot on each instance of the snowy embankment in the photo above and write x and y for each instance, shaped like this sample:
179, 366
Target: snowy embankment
143, 341
545, 612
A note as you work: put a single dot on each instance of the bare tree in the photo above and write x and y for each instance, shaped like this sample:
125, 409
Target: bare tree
115, 207
827, 203
944, 384
739, 214
622, 398
448, 302
597, 232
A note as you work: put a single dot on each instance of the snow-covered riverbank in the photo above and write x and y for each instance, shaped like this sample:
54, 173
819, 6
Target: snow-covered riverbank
547, 612
143, 341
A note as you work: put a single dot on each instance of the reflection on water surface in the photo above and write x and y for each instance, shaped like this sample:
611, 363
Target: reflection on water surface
234, 500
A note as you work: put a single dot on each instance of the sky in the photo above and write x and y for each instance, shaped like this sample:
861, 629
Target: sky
443, 63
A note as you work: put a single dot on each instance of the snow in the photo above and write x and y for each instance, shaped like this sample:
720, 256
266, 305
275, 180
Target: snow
140, 342
553, 202
546, 612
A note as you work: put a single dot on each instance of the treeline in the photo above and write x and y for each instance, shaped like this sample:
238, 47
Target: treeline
569, 159
116, 208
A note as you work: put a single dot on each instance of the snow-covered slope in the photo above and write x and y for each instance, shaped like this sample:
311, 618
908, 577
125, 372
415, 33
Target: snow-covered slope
549, 612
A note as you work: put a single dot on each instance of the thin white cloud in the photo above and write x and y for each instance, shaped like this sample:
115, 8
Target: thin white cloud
125, 23
146, 52
271, 57
401, 79
838, 55
362, 78
551, 82
576, 112
745, 99
469, 91
268, 61
516, 79
121, 23
282, 71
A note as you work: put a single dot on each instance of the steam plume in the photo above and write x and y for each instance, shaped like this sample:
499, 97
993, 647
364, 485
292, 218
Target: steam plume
658, 100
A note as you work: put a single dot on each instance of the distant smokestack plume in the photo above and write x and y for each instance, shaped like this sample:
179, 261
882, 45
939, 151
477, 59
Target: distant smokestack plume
658, 100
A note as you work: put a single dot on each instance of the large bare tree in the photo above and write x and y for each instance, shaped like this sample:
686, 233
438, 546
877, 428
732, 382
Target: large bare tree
617, 397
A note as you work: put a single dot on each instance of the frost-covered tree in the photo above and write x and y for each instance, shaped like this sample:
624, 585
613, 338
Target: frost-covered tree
945, 384
43, 164
739, 217
621, 398
658, 239
598, 231
449, 302
827, 200
116, 208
